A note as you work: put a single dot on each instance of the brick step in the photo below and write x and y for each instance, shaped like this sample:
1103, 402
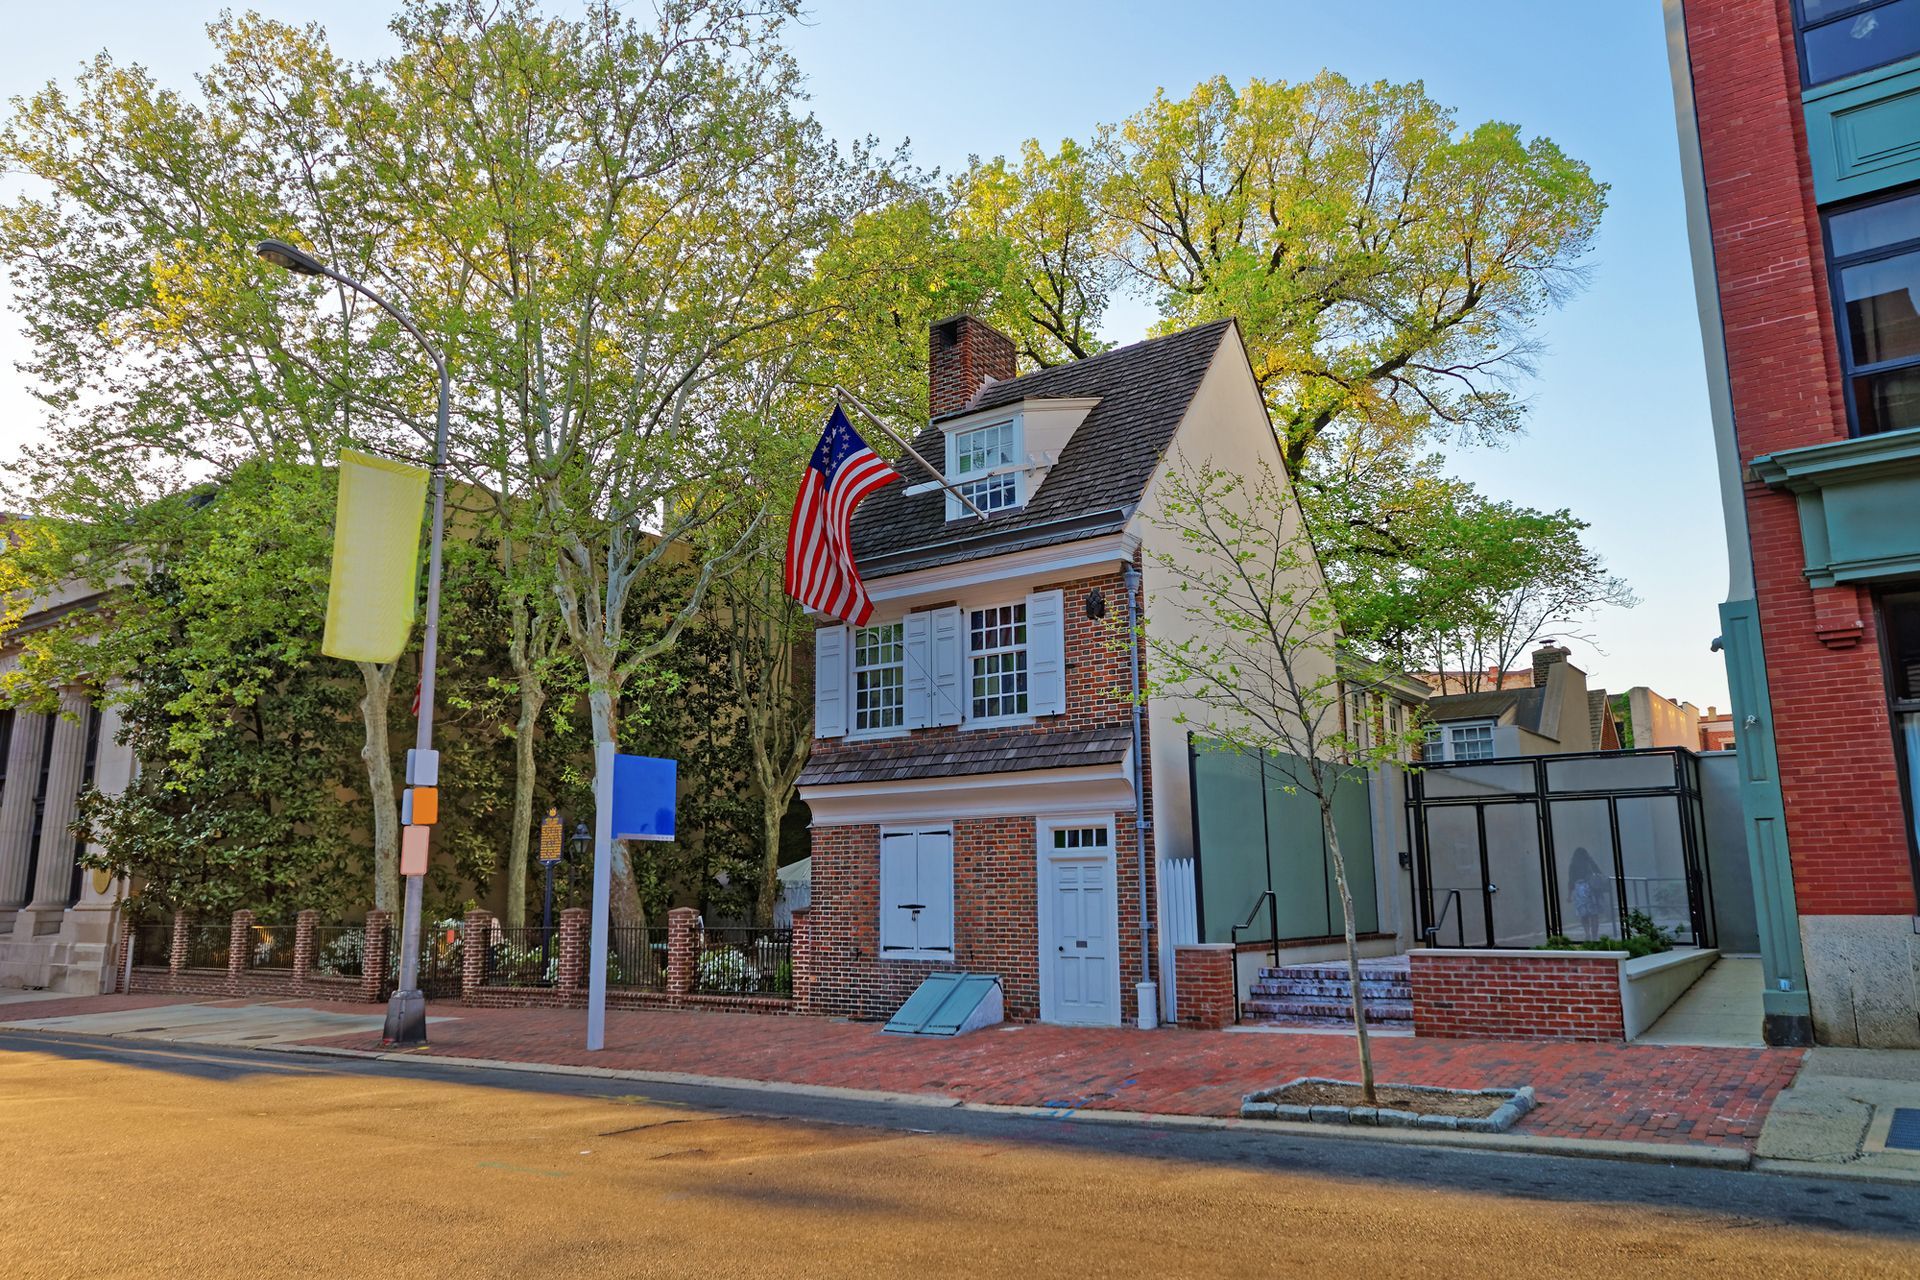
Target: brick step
1376, 1010
1336, 972
1331, 990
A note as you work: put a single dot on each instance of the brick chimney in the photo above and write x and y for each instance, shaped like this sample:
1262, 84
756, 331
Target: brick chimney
1543, 659
962, 353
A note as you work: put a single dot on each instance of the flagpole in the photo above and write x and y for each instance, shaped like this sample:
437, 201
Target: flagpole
845, 396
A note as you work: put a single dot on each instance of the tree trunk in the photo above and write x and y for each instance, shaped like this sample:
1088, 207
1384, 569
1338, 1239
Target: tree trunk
1353, 943
772, 810
532, 698
625, 908
377, 753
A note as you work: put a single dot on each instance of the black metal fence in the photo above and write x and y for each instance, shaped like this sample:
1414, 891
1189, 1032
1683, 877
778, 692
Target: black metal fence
637, 958
440, 958
207, 946
153, 945
745, 962
523, 958
339, 950
271, 947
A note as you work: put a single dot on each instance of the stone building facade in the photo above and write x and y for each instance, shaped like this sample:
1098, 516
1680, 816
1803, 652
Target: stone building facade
57, 920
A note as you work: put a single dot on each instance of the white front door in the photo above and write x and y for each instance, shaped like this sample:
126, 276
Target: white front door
1080, 964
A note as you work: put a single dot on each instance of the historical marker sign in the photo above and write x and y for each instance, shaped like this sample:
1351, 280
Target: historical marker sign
550, 837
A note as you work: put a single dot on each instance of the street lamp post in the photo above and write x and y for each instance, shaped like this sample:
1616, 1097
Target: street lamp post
407, 1010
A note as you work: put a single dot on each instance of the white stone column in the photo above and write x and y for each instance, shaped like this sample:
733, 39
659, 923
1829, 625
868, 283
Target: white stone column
67, 760
16, 809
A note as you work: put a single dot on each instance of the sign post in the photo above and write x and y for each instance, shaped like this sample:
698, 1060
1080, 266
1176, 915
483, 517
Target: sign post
633, 799
549, 858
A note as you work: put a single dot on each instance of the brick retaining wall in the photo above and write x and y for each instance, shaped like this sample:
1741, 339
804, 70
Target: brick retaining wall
1517, 995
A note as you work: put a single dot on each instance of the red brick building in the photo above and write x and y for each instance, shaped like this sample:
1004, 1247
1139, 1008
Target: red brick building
1799, 125
980, 798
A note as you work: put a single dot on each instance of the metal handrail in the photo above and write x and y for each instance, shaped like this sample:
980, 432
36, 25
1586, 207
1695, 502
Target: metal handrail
1452, 900
1273, 932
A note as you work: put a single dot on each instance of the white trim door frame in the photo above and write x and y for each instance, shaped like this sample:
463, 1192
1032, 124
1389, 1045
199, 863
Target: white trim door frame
1073, 881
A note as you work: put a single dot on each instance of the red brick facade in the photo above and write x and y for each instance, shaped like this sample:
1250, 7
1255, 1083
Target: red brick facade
1470, 995
962, 353
995, 859
1845, 820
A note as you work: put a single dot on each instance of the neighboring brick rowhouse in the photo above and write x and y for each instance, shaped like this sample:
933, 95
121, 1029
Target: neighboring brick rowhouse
962, 353
1205, 977
1845, 821
1516, 995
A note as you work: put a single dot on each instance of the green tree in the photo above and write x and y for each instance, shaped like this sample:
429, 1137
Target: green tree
1250, 655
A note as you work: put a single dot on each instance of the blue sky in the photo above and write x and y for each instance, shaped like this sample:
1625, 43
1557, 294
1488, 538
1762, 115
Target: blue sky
1619, 428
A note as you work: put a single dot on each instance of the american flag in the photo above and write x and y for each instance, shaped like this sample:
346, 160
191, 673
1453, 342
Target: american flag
820, 570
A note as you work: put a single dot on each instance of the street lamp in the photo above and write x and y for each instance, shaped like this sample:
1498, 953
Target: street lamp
407, 1010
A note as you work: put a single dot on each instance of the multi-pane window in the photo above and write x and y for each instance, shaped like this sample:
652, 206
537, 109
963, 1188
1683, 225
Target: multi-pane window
1070, 838
879, 678
997, 661
1459, 742
984, 449
1840, 37
1875, 251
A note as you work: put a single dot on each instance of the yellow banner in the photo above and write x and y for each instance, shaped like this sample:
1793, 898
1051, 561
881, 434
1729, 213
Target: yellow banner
376, 558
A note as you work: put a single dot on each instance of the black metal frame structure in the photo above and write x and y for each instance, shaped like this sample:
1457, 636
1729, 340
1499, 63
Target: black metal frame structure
1684, 790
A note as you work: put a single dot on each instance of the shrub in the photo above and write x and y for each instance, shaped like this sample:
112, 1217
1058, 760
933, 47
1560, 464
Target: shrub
1644, 938
726, 970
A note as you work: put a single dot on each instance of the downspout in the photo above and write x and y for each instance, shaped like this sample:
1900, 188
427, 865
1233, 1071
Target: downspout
1148, 992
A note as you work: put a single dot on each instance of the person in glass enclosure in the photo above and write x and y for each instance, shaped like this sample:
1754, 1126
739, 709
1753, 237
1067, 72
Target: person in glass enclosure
1590, 895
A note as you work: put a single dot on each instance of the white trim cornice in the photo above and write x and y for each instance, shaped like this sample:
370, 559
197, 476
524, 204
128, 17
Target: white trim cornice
1104, 788
1036, 564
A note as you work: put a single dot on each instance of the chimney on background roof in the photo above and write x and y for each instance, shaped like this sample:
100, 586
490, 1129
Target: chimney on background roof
962, 354
1543, 660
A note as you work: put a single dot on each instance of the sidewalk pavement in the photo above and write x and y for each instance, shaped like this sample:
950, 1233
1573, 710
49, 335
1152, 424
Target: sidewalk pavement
1840, 1110
1681, 1096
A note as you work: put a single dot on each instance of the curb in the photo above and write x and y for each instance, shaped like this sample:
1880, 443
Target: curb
1588, 1148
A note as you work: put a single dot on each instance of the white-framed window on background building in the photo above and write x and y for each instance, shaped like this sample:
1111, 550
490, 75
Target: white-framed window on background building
1467, 740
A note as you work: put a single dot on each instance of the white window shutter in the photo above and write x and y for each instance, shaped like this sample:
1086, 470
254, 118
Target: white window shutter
1046, 653
898, 872
830, 682
934, 883
918, 635
948, 666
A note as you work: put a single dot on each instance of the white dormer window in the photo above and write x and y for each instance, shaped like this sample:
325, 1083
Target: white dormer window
983, 464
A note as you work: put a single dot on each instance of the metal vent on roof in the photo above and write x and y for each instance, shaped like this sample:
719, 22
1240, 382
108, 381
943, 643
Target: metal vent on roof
950, 1004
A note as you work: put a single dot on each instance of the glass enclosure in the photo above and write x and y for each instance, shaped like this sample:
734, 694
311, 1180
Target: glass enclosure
1508, 853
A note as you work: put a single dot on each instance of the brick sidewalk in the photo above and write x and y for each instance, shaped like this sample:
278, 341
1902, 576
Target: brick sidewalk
1652, 1093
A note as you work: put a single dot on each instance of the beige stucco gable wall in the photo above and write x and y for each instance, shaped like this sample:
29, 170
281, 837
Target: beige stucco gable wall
1226, 426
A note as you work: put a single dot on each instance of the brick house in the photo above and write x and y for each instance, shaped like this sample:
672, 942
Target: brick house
1799, 131
975, 781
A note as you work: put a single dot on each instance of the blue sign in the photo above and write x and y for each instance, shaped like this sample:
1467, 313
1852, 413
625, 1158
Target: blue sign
644, 790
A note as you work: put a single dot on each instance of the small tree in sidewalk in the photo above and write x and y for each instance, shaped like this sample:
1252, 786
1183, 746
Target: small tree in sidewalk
1246, 645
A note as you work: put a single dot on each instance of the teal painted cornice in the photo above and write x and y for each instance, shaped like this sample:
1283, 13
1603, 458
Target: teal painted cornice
1863, 132
1859, 505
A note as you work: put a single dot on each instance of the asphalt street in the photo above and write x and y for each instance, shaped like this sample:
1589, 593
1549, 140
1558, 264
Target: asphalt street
131, 1158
